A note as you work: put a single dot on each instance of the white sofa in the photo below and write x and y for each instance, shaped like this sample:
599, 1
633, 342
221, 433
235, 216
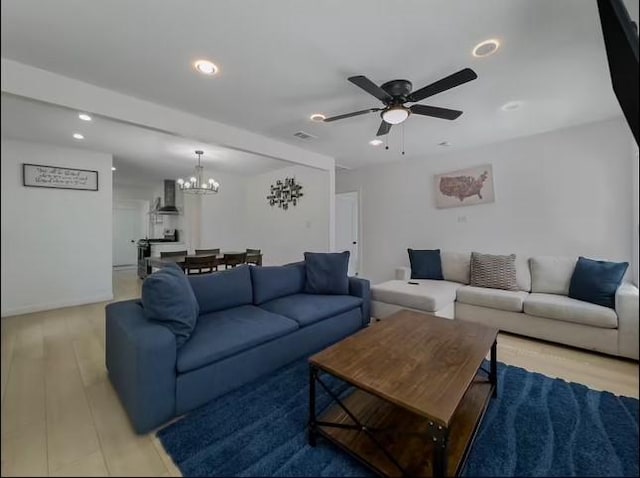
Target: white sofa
540, 309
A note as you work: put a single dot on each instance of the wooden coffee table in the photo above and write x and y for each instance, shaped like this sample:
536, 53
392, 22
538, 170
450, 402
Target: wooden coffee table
420, 393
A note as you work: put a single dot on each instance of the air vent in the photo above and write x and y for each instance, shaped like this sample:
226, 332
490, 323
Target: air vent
304, 136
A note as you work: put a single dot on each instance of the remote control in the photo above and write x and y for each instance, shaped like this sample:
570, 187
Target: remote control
413, 283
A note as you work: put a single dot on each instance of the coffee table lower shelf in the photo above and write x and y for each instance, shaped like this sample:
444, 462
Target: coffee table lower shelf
406, 437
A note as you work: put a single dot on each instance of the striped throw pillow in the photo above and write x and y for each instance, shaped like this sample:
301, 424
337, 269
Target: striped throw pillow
494, 272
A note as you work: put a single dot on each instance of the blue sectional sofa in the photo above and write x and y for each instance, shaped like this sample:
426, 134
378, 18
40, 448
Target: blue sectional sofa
252, 321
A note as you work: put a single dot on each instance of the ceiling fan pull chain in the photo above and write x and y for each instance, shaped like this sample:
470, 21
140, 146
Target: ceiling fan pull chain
386, 139
402, 139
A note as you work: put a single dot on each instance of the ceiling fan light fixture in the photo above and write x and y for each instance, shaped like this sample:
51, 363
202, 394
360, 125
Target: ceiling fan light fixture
395, 114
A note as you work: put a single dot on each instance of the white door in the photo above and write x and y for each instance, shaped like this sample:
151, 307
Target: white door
127, 229
347, 229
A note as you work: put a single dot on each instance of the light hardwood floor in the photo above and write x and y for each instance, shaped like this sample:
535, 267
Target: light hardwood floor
61, 417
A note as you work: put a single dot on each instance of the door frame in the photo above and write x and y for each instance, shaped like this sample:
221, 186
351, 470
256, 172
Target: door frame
355, 194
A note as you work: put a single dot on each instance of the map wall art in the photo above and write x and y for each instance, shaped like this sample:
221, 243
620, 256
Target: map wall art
465, 187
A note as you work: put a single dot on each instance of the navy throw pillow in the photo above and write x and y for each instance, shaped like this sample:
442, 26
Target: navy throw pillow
425, 264
597, 281
167, 297
326, 273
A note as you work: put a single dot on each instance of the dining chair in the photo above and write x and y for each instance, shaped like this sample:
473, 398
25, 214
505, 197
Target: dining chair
215, 252
234, 259
200, 265
172, 254
254, 256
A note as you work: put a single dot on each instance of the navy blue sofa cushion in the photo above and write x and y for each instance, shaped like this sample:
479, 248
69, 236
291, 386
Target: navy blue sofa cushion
425, 264
597, 281
221, 334
277, 281
327, 272
307, 309
167, 297
223, 290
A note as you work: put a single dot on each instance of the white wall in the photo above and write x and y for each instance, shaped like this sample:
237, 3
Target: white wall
565, 192
56, 243
223, 220
283, 236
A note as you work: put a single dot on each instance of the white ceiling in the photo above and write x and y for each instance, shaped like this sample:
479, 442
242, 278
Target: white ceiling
282, 60
140, 155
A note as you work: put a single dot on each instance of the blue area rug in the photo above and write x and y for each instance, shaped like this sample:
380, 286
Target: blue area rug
537, 426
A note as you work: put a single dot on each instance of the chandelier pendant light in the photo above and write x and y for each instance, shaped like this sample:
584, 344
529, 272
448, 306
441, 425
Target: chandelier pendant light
196, 184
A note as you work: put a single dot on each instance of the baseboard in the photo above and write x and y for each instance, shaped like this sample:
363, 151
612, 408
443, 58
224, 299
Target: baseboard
29, 309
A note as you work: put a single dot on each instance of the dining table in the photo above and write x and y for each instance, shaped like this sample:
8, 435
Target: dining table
160, 262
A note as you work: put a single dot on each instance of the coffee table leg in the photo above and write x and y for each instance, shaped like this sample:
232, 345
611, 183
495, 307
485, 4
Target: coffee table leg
312, 405
493, 376
440, 453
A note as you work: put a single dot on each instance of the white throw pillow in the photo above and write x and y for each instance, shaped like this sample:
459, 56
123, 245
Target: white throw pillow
551, 274
455, 266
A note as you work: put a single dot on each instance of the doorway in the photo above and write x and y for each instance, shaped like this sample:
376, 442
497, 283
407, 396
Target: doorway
129, 225
347, 228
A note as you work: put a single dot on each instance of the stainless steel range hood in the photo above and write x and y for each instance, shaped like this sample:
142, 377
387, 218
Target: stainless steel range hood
169, 206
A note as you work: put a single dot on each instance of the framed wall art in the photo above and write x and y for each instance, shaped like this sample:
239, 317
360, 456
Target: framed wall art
40, 176
465, 187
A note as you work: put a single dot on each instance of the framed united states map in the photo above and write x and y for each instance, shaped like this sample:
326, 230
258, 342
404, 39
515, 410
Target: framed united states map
465, 187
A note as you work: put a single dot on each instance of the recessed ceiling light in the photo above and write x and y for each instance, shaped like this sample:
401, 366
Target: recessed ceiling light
444, 143
113, 168
206, 67
78, 136
375, 142
511, 106
317, 117
84, 117
486, 48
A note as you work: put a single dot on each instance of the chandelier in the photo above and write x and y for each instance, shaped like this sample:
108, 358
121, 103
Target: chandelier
196, 183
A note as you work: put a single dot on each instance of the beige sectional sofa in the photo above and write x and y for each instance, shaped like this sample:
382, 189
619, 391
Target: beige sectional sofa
540, 309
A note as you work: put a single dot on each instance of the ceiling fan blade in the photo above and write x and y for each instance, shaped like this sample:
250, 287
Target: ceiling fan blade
349, 115
444, 84
384, 128
370, 87
442, 113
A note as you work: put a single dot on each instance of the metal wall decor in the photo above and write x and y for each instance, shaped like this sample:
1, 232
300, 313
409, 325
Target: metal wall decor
284, 193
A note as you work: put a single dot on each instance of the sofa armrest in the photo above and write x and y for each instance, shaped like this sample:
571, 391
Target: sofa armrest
361, 288
627, 310
141, 360
403, 273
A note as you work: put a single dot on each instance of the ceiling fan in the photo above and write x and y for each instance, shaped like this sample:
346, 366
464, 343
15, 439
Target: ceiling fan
395, 93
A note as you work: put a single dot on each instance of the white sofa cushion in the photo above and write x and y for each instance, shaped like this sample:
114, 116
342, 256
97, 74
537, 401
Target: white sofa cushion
456, 266
428, 295
511, 300
523, 273
551, 275
559, 307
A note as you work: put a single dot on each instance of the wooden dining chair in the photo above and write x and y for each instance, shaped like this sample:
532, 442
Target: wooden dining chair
234, 259
172, 254
254, 256
200, 265
215, 252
